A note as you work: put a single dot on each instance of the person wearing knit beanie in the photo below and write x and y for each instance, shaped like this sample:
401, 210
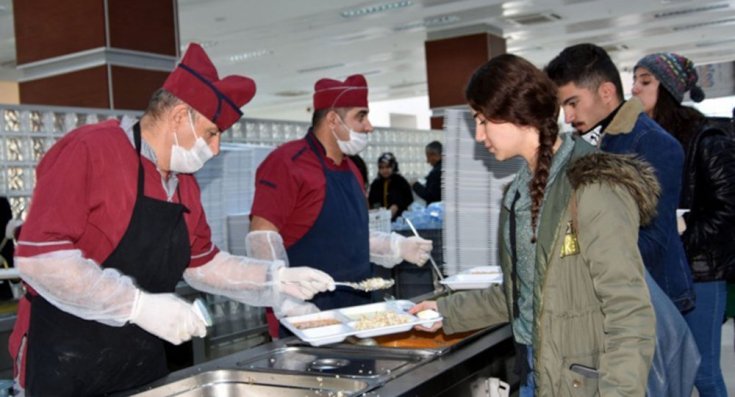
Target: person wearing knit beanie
660, 81
675, 73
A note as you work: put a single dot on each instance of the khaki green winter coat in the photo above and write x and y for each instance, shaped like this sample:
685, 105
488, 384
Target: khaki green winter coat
592, 307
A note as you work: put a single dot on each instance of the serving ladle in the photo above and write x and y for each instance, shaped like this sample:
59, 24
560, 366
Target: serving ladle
367, 285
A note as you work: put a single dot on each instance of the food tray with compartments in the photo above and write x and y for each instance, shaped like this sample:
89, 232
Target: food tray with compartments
362, 321
475, 278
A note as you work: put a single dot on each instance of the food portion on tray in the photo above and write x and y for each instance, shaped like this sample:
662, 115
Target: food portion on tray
475, 278
363, 321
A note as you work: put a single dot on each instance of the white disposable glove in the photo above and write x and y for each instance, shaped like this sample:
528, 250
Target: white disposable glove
167, 317
415, 250
294, 307
388, 250
384, 248
303, 282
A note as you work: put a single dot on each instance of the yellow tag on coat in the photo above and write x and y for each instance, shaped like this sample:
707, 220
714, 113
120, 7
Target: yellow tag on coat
570, 246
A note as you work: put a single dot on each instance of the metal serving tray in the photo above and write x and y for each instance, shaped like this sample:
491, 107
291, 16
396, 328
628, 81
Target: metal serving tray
228, 383
345, 361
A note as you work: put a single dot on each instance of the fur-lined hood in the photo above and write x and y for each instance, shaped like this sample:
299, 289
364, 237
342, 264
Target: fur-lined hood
637, 176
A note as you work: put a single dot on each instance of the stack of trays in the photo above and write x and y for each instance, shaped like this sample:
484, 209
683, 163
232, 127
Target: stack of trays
473, 183
363, 321
475, 278
227, 185
257, 155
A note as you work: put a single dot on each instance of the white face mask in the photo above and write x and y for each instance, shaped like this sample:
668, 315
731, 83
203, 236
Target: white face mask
191, 160
357, 143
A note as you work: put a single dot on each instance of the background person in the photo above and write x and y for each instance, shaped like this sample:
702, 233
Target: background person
708, 190
573, 286
390, 189
362, 167
431, 191
102, 263
8, 227
590, 92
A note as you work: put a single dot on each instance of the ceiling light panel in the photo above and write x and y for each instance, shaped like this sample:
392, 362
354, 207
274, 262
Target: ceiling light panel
375, 9
320, 68
533, 18
431, 22
693, 10
246, 56
720, 22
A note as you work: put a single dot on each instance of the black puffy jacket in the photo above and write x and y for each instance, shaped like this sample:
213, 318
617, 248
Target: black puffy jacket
708, 190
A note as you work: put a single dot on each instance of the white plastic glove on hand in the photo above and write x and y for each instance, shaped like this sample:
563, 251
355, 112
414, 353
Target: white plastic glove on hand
415, 250
167, 317
303, 282
294, 307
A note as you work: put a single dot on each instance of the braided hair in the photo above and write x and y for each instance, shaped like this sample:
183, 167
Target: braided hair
509, 89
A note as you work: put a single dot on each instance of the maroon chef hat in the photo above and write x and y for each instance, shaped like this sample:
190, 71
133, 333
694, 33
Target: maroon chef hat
195, 81
351, 93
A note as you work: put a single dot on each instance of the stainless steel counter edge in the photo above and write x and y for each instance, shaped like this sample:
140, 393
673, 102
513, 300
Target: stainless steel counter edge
397, 386
393, 387
441, 364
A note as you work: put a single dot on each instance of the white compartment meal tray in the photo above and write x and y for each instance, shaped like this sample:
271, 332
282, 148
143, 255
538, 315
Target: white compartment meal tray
475, 278
332, 326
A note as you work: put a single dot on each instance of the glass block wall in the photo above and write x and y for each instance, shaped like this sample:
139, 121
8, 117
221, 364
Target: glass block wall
27, 132
406, 144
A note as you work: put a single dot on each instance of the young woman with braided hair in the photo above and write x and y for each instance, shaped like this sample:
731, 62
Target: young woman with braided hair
573, 280
548, 137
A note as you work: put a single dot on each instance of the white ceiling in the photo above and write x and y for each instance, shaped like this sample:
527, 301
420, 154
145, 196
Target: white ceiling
287, 45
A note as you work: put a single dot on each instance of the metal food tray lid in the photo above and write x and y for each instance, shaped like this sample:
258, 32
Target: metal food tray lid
364, 321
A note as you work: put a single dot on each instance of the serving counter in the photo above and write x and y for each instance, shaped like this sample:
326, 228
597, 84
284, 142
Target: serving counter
409, 364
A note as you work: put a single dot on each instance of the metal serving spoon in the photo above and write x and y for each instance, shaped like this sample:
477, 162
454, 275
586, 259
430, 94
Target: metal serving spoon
367, 285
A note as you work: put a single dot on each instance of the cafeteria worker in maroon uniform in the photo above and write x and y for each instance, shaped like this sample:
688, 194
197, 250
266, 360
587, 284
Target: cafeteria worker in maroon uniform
115, 222
310, 206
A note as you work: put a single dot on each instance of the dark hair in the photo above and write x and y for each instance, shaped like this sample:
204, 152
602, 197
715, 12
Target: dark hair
389, 159
435, 147
361, 166
586, 65
510, 89
683, 122
320, 114
161, 101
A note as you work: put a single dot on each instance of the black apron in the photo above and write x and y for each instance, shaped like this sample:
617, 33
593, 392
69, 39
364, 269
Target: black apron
70, 356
